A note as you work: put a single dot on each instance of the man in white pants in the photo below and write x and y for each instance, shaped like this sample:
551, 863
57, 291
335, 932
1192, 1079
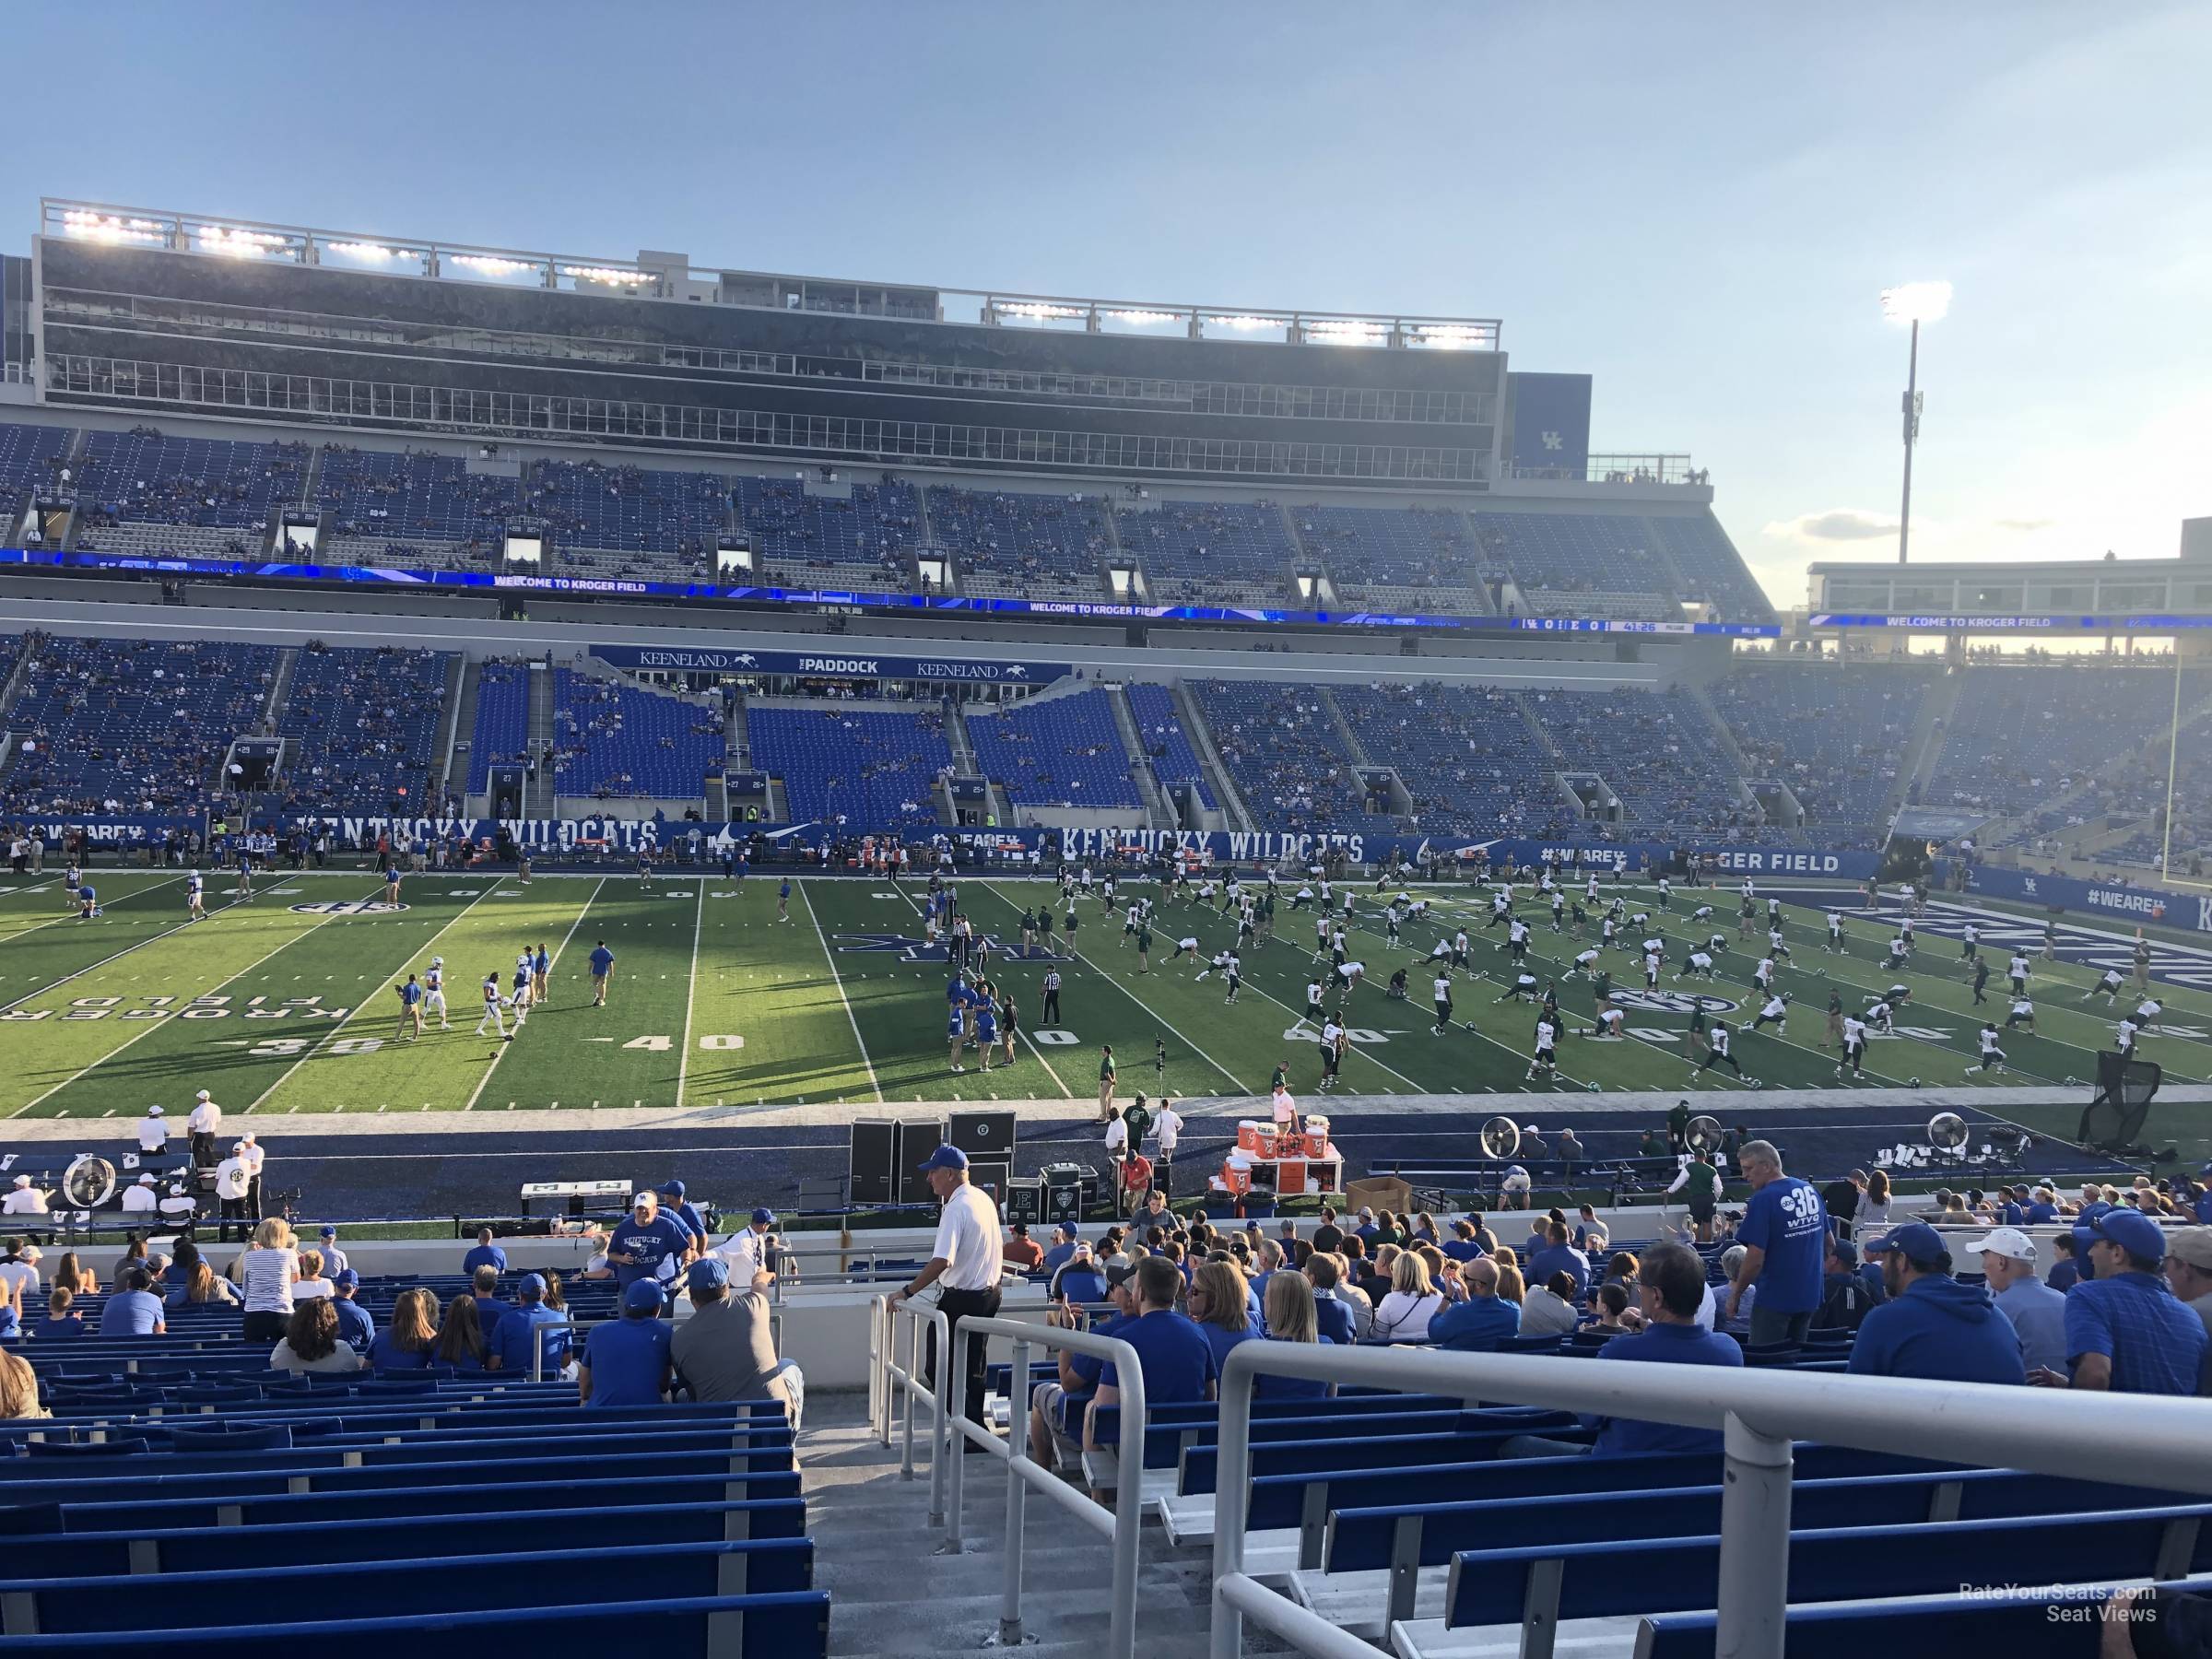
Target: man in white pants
433, 993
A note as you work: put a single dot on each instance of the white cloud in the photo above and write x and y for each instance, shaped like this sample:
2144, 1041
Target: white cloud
1837, 524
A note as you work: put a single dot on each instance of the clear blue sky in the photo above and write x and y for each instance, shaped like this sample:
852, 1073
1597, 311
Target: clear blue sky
1697, 203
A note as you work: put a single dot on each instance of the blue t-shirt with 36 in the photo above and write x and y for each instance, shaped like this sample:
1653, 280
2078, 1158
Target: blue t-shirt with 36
1786, 1219
626, 1359
1173, 1354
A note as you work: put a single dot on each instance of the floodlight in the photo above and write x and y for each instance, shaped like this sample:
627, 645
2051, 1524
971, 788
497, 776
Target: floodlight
603, 274
1143, 316
1917, 301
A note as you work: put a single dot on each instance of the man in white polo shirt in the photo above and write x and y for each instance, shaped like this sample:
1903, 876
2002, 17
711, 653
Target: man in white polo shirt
967, 1259
206, 1123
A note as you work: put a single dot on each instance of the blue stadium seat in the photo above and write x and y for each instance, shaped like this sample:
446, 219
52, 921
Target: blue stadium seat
1834, 734
1995, 1624
368, 723
1211, 552
790, 1626
140, 477
806, 537
144, 723
1007, 545
1062, 753
1396, 558
1663, 1575
613, 740
502, 724
424, 509
1159, 728
876, 766
1287, 759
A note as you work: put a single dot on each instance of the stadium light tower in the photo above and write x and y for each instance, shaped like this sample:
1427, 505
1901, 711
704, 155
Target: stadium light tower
1914, 302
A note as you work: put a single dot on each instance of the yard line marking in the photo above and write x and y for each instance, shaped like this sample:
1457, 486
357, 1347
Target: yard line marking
1239, 1086
103, 961
1050, 1072
837, 979
500, 1052
332, 1035
683, 1060
152, 1026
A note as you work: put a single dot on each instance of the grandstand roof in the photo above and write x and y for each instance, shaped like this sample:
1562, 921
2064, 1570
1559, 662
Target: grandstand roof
658, 275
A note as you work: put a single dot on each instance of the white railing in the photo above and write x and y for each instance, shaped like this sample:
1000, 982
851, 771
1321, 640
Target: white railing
2133, 1439
903, 1392
1123, 1525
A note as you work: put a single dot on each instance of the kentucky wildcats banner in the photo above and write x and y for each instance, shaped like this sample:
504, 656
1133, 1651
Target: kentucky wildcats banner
612, 837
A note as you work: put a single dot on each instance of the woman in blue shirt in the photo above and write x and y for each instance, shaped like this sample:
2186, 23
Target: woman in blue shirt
1289, 1318
1216, 1301
406, 1343
461, 1337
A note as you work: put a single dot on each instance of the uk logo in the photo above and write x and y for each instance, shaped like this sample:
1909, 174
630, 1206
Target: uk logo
348, 907
909, 950
1553, 440
2028, 884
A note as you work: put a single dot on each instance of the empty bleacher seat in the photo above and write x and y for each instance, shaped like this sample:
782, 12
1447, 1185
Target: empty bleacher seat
613, 739
1065, 752
878, 766
131, 726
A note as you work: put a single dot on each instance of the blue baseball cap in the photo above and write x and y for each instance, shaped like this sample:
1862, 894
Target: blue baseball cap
644, 1296
1916, 1241
764, 1217
709, 1273
2131, 1229
345, 1278
534, 1283
947, 1157
1068, 1229
672, 1188
329, 1231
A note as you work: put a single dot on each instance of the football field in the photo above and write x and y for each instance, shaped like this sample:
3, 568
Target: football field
284, 1005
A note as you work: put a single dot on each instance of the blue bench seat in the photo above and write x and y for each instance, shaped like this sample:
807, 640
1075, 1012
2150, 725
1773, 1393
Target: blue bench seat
296, 1543
466, 1582
1670, 1575
790, 1626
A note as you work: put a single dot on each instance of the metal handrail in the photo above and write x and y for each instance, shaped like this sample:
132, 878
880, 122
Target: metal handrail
904, 1391
2134, 1440
1123, 1523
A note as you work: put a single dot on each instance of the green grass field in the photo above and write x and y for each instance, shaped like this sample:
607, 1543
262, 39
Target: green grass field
284, 1005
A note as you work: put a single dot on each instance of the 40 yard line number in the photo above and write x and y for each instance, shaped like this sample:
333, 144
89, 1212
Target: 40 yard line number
661, 1044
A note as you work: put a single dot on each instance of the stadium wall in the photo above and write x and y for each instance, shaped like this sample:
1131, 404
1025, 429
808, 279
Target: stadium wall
621, 837
2119, 899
